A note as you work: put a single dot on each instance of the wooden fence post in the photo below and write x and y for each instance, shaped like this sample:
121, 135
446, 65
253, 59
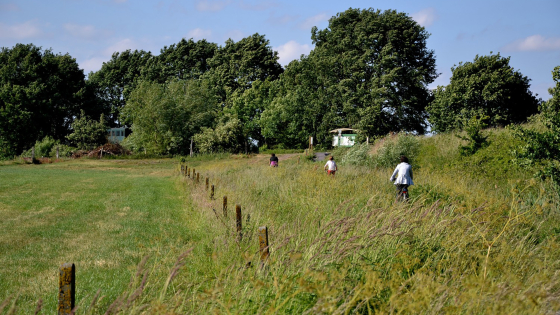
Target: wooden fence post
207, 181
188, 172
238, 222
263, 242
212, 192
193, 173
66, 289
197, 178
224, 208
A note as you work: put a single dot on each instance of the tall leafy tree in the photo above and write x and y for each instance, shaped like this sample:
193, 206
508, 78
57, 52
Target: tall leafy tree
165, 116
488, 86
40, 94
116, 79
185, 60
237, 65
375, 67
301, 107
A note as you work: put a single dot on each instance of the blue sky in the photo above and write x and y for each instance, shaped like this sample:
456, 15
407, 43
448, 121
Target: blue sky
91, 30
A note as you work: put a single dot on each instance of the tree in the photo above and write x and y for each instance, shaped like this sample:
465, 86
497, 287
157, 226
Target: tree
164, 117
185, 60
40, 94
542, 147
88, 133
227, 136
238, 64
300, 108
488, 86
375, 68
116, 79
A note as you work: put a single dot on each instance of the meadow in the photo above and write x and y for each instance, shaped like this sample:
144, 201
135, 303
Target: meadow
479, 235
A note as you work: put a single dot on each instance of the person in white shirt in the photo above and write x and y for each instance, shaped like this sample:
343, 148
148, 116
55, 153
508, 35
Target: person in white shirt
331, 166
402, 176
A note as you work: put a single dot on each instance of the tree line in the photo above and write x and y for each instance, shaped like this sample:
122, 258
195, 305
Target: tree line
369, 70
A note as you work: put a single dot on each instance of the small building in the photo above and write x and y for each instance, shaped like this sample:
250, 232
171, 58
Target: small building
116, 135
344, 137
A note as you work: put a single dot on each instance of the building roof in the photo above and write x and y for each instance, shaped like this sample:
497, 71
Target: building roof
343, 129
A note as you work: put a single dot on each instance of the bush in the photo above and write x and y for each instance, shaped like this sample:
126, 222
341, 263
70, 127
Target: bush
391, 149
357, 155
42, 148
63, 150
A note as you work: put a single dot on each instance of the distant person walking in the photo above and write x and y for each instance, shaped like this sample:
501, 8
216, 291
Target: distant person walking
331, 166
273, 160
402, 176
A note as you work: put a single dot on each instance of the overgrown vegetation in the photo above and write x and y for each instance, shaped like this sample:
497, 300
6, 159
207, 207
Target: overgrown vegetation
478, 236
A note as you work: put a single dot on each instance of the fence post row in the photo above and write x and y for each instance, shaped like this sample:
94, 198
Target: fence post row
66, 289
263, 243
238, 221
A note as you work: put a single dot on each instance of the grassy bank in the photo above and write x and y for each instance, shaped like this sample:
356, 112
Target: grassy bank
478, 236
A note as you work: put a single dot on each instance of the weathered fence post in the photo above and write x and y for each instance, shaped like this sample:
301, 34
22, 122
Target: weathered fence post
224, 208
207, 181
182, 168
263, 242
66, 289
188, 172
197, 178
238, 222
212, 192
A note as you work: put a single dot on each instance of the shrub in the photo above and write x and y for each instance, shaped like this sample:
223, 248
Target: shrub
391, 149
42, 148
357, 155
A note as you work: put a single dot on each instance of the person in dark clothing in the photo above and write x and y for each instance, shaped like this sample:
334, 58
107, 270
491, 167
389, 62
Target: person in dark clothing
273, 160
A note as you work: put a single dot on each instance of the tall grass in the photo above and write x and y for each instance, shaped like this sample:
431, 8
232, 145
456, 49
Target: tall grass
465, 243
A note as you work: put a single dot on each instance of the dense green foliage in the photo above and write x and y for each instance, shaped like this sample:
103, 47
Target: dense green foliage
88, 133
116, 79
165, 116
40, 93
488, 86
543, 146
369, 70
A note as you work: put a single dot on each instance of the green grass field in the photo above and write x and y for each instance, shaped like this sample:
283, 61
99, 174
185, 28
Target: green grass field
473, 239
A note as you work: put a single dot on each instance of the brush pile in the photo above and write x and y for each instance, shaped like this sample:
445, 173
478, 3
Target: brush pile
106, 149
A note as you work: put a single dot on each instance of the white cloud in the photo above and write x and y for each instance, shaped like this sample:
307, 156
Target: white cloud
534, 43
425, 17
313, 21
85, 31
261, 5
9, 7
236, 35
25, 30
121, 46
198, 34
291, 50
93, 64
212, 5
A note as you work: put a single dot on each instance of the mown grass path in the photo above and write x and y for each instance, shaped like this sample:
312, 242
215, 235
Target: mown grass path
104, 216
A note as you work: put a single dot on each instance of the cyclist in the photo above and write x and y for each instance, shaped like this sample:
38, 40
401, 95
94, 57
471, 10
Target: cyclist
402, 176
